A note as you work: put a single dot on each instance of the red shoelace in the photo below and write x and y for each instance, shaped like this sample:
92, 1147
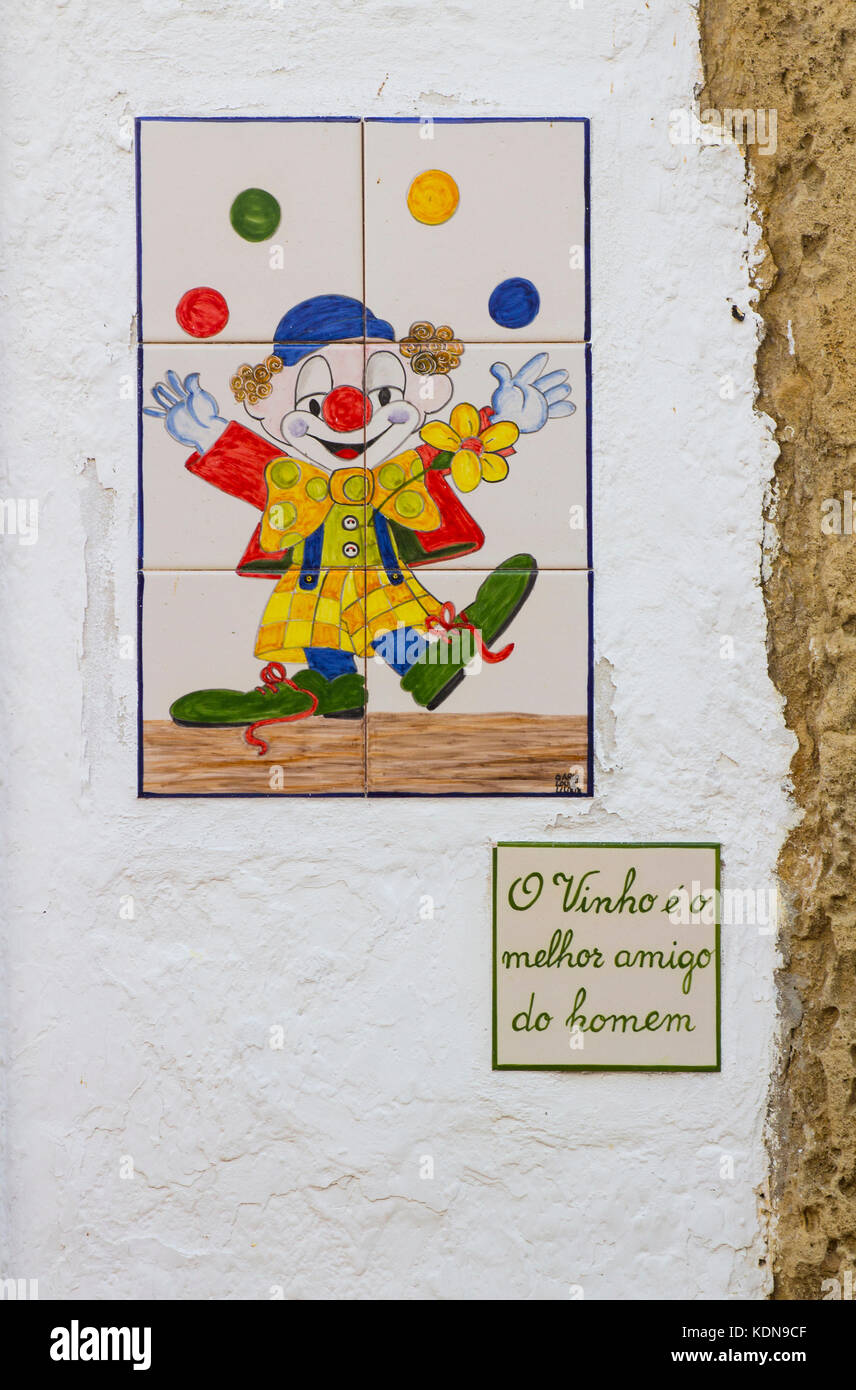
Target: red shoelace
273, 676
450, 620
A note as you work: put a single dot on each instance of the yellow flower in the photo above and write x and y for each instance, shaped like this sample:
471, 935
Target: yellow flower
474, 456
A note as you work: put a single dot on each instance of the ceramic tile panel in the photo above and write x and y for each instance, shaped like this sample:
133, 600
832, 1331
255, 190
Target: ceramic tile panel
217, 714
330, 466
480, 225
242, 220
500, 710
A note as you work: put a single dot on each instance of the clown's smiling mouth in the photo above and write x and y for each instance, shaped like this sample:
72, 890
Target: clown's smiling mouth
348, 451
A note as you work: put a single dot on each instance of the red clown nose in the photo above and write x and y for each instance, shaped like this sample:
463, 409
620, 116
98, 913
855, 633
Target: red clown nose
346, 409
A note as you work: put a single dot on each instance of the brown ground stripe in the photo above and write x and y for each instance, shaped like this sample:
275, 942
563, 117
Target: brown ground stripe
437, 753
487, 753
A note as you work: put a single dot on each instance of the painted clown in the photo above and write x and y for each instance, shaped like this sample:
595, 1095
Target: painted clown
358, 488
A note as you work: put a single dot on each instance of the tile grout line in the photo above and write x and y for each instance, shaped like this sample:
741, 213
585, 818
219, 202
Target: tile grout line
261, 342
450, 569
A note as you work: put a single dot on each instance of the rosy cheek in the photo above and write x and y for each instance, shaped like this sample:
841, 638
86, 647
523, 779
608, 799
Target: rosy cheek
297, 428
399, 415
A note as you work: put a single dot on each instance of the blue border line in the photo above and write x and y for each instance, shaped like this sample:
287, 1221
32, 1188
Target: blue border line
246, 796
592, 1067
141, 579
587, 190
139, 211
590, 702
589, 459
141, 515
550, 797
470, 120
257, 120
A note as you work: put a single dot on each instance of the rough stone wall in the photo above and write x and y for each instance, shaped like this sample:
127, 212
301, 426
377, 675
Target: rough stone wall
158, 1145
799, 57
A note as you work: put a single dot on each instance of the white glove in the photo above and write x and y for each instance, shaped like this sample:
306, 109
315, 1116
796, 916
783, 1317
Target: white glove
189, 413
527, 399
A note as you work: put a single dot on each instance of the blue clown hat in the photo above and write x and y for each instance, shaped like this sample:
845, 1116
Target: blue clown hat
328, 318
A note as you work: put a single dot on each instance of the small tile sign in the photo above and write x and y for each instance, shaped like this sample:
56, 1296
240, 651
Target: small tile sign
606, 957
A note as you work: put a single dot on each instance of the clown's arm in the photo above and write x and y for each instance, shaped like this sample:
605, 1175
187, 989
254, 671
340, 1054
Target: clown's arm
531, 397
226, 454
240, 462
189, 413
476, 444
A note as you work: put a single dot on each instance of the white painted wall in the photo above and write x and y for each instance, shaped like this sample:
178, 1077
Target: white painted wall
299, 1168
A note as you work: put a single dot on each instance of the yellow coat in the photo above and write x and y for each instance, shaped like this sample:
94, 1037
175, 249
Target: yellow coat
353, 600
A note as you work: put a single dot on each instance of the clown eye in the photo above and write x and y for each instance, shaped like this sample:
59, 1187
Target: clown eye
385, 371
314, 380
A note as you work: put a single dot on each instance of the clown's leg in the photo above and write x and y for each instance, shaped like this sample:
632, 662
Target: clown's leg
331, 663
401, 648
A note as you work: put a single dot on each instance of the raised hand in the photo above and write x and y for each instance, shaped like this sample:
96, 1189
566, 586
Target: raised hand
189, 412
528, 399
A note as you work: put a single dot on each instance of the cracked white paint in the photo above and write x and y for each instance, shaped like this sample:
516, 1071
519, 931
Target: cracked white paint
299, 1168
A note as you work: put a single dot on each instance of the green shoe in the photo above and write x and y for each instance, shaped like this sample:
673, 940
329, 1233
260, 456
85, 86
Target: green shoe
342, 698
499, 599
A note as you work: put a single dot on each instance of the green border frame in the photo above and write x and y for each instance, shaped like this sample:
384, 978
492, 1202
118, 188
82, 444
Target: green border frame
609, 844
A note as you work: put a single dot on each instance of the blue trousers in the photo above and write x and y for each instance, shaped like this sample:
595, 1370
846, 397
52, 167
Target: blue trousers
332, 663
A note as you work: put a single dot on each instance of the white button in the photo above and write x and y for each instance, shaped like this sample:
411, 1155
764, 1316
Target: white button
350, 523
350, 549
